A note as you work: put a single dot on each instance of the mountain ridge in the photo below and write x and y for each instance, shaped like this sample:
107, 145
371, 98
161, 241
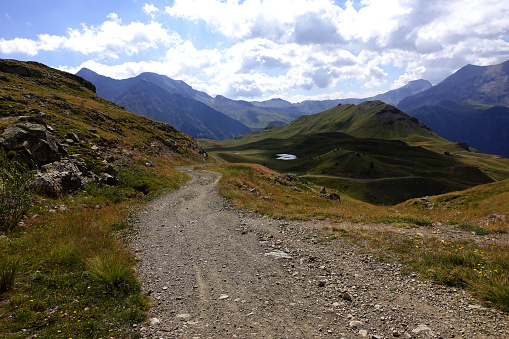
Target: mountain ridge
254, 114
484, 84
471, 105
187, 115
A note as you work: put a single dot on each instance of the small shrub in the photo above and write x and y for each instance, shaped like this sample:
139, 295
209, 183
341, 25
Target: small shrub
17, 185
114, 194
495, 291
8, 270
114, 274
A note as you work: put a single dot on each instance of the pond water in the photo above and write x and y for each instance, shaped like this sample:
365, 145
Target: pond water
285, 156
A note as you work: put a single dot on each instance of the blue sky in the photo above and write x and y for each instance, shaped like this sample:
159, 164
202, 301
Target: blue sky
262, 49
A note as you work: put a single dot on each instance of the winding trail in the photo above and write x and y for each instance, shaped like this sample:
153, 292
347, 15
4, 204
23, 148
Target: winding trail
217, 272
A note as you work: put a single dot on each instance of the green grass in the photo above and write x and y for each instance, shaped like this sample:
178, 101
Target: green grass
75, 276
8, 270
113, 273
371, 152
373, 170
68, 273
482, 270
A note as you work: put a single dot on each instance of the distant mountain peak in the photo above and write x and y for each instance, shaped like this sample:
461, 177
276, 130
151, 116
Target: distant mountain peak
482, 84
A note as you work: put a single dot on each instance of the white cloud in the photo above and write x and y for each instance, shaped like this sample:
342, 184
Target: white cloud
276, 47
150, 9
274, 19
30, 47
110, 39
18, 45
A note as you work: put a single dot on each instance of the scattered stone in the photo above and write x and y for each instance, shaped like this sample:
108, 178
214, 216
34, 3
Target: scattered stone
463, 145
334, 196
493, 218
363, 333
279, 254
423, 331
154, 321
223, 296
184, 316
356, 323
108, 179
32, 142
347, 296
426, 204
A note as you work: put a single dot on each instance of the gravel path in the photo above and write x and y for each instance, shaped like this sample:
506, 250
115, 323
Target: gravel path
216, 272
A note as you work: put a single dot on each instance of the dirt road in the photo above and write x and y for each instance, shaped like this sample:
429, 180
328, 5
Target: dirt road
216, 272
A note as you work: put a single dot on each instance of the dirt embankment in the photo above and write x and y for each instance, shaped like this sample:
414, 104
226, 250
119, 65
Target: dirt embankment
216, 272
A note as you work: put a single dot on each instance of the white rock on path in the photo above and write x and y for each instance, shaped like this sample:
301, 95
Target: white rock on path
424, 330
279, 254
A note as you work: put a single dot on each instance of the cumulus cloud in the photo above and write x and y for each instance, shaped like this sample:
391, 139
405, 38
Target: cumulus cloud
19, 45
274, 19
110, 39
272, 47
150, 9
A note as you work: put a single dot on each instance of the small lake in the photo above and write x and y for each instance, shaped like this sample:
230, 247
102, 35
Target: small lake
284, 156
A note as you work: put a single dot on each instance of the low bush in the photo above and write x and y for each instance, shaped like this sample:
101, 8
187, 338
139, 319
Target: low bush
114, 273
17, 186
8, 270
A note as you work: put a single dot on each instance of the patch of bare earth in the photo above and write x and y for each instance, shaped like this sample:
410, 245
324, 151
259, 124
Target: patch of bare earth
216, 272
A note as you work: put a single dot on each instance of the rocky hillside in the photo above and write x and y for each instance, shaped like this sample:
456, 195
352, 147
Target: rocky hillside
56, 121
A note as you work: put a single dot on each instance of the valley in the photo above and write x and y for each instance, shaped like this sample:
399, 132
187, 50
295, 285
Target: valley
372, 225
372, 152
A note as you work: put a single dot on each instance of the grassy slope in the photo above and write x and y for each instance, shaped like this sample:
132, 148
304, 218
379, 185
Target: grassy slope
358, 142
62, 250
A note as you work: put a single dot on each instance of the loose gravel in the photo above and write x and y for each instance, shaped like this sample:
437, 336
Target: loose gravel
216, 272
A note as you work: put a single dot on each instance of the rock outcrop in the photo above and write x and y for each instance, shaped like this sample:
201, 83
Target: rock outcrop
33, 141
62, 177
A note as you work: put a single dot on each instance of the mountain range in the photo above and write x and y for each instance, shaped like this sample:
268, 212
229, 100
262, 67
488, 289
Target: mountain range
469, 106
152, 102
